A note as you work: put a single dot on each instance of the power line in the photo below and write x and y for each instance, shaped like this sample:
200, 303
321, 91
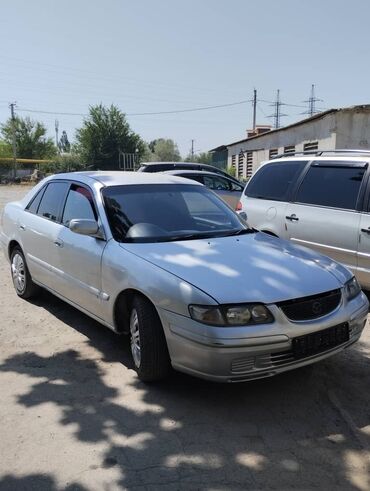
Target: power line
176, 111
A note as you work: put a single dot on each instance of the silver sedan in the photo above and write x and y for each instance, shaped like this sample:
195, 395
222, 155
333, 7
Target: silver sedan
165, 261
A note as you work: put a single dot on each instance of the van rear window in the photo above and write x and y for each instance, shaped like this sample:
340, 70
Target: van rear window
274, 181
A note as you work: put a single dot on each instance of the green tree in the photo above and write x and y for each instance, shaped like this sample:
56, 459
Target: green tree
31, 139
200, 158
164, 150
103, 135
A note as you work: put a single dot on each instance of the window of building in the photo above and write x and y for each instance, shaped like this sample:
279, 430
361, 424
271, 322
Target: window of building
240, 164
337, 187
311, 147
289, 149
79, 204
273, 152
249, 164
233, 160
274, 181
52, 200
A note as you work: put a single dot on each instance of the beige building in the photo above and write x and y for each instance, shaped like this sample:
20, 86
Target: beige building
333, 129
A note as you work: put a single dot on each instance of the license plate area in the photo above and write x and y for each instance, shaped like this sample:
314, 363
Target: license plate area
318, 342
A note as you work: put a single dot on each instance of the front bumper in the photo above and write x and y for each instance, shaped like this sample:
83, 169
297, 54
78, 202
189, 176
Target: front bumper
236, 354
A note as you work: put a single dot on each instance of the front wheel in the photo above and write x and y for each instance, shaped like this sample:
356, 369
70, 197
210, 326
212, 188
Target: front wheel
148, 343
22, 281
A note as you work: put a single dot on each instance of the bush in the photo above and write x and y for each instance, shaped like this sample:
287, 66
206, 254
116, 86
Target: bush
63, 163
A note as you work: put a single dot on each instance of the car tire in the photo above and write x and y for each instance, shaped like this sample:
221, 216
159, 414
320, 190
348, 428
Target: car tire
22, 281
148, 343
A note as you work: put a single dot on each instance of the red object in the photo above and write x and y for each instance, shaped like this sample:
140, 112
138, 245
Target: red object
239, 206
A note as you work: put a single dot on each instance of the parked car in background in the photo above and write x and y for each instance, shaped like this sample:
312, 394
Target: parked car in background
166, 261
321, 201
229, 190
164, 166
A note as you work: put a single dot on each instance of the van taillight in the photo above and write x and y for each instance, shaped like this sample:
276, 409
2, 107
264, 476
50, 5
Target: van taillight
239, 206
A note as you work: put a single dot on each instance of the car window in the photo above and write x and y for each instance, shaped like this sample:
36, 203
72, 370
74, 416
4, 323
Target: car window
166, 212
274, 181
236, 187
34, 203
216, 183
337, 187
79, 204
193, 177
52, 200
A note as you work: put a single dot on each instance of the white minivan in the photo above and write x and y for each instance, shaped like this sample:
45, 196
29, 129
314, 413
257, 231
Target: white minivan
321, 201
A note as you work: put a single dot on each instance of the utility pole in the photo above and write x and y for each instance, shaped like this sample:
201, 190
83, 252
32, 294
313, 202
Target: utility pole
57, 134
12, 106
311, 102
192, 149
254, 108
277, 113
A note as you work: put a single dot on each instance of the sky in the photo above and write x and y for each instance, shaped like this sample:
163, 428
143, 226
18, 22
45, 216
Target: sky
169, 55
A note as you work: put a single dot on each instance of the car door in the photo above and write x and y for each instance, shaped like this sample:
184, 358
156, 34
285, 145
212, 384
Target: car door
267, 193
39, 231
79, 256
363, 254
325, 214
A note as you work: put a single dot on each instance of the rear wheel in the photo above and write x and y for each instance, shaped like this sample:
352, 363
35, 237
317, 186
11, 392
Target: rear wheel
22, 281
148, 343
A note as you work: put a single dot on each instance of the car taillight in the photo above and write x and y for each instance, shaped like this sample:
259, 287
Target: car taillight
239, 206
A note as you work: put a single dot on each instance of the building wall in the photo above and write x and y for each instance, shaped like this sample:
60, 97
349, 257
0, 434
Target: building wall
353, 128
321, 130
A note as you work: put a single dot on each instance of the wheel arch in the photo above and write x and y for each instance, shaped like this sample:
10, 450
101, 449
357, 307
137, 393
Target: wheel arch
12, 245
122, 306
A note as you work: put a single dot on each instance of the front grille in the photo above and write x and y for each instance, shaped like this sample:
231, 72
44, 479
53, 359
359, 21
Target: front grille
306, 308
324, 341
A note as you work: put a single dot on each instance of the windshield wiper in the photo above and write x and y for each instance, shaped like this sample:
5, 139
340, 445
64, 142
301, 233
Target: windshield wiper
243, 231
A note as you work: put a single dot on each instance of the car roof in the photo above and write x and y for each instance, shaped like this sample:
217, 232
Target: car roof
192, 172
170, 162
117, 178
328, 158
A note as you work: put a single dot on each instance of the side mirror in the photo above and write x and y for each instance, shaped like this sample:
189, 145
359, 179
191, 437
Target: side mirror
84, 226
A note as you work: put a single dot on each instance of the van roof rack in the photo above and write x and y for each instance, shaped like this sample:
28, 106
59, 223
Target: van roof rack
319, 153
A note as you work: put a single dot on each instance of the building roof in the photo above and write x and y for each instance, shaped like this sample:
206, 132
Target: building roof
364, 107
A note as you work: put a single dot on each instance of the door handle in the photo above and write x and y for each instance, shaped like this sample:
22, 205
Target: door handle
292, 218
366, 230
58, 242
22, 227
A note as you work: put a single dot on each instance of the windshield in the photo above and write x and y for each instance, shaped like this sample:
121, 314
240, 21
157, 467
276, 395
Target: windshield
168, 212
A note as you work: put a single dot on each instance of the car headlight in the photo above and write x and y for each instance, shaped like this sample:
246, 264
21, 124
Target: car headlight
232, 315
352, 288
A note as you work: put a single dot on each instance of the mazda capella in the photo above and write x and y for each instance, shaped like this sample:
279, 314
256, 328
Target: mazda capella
167, 262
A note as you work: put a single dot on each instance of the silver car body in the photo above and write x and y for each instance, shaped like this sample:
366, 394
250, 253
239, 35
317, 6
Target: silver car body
90, 274
227, 189
342, 234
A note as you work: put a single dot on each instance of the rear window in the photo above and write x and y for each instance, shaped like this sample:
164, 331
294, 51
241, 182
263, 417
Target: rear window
274, 181
336, 187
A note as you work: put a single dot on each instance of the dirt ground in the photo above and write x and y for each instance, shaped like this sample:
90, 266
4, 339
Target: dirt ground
73, 415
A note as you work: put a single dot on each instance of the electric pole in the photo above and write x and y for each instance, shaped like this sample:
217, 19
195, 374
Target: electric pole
56, 134
254, 108
12, 106
311, 102
192, 149
277, 113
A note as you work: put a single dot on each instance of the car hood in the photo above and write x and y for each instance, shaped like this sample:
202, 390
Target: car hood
249, 268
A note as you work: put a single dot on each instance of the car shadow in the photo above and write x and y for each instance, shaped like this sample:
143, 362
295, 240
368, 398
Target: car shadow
301, 430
